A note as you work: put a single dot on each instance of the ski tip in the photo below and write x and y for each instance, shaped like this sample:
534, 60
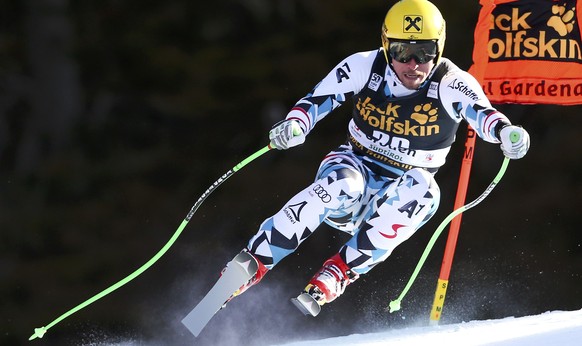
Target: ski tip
306, 304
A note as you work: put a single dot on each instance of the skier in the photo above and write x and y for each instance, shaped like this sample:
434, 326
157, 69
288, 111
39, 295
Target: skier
379, 185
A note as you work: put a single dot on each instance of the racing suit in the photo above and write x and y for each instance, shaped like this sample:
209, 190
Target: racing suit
379, 185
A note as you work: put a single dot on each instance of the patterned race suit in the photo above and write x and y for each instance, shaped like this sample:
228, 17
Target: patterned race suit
378, 186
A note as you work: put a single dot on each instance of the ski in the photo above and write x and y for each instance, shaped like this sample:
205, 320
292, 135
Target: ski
238, 271
306, 304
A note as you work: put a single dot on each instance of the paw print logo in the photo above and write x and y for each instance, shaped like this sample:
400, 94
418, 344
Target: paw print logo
425, 113
562, 20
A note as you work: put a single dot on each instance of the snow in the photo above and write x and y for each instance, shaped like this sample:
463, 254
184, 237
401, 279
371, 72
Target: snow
562, 328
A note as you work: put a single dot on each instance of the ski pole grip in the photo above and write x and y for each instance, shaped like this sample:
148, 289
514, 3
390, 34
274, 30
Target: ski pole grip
296, 128
514, 137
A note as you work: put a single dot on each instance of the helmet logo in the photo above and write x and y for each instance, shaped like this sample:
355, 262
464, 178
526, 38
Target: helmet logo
412, 24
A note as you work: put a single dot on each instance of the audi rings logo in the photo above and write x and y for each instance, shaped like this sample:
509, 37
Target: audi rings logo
322, 193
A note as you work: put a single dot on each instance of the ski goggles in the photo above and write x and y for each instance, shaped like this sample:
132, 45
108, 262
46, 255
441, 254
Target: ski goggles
421, 51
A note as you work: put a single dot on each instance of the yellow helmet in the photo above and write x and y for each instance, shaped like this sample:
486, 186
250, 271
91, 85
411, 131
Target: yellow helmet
414, 20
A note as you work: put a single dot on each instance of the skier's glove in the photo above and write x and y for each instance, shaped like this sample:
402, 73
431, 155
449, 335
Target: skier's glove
514, 141
286, 134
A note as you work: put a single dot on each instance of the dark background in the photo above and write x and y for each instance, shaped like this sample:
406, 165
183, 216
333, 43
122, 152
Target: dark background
115, 116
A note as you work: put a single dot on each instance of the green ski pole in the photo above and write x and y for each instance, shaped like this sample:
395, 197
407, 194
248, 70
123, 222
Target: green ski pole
39, 332
395, 304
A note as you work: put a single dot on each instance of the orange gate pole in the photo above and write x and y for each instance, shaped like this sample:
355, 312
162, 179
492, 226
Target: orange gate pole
443, 281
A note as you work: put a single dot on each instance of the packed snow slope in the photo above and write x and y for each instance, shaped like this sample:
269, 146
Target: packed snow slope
560, 328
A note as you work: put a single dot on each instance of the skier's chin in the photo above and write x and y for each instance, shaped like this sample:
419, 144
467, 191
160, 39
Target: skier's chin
412, 81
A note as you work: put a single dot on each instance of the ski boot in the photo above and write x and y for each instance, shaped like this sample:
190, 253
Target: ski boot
325, 286
261, 271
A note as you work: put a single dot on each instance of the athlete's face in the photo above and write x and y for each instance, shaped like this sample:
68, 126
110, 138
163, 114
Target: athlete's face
412, 60
411, 73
